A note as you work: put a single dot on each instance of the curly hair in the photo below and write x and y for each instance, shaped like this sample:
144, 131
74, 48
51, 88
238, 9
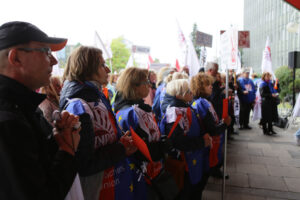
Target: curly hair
198, 84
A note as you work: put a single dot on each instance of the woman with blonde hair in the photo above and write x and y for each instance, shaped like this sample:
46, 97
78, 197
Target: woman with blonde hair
103, 149
269, 97
132, 113
51, 103
163, 75
201, 87
187, 137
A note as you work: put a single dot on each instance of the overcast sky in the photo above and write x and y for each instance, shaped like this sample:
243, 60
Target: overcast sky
143, 22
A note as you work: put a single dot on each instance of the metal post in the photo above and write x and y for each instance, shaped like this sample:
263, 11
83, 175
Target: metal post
294, 76
225, 142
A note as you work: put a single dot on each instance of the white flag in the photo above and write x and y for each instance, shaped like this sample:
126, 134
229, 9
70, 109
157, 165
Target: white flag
106, 51
130, 62
266, 65
192, 59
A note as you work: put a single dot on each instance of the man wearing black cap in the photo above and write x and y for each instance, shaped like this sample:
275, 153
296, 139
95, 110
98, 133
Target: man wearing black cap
37, 163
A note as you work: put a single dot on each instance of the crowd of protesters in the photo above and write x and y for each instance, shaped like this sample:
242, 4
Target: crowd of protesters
136, 135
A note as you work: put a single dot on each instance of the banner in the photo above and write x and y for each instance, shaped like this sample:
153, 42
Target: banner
229, 49
266, 65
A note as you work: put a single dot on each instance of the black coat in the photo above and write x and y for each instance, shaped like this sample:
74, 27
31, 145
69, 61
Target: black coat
268, 104
36, 169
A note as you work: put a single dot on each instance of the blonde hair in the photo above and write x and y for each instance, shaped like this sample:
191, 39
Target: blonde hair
83, 63
179, 75
50, 89
128, 80
178, 87
198, 84
162, 74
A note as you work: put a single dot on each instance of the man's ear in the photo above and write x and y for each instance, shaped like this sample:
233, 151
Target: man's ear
13, 58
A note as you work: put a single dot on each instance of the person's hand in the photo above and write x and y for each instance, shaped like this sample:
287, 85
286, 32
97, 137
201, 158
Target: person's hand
207, 140
246, 92
274, 95
66, 136
128, 144
227, 120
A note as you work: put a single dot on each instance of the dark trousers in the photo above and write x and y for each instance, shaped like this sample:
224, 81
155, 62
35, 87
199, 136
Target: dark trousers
245, 113
193, 192
270, 127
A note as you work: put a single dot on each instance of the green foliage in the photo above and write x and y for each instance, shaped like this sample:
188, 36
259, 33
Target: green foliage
120, 54
297, 86
285, 77
194, 35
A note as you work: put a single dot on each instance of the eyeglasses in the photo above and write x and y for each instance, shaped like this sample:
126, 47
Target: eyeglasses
46, 50
147, 82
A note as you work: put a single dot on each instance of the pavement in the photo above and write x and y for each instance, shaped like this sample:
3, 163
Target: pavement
260, 167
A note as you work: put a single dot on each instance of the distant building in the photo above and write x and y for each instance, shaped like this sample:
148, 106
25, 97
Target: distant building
269, 18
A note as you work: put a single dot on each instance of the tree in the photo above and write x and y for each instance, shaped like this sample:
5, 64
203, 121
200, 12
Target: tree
120, 52
285, 77
194, 37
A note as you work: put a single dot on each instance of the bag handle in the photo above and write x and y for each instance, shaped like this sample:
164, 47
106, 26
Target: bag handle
174, 125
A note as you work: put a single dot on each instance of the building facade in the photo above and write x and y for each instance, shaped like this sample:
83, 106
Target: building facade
265, 18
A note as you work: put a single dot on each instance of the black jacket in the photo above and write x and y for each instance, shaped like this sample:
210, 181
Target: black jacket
269, 111
37, 169
90, 160
217, 97
179, 140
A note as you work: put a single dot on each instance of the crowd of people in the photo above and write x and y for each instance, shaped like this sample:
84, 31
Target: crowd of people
134, 135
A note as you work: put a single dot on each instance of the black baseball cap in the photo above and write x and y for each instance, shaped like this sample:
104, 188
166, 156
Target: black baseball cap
17, 32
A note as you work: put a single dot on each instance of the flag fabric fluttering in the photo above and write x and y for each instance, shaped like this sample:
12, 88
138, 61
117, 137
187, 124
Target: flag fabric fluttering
130, 62
140, 144
177, 65
266, 65
106, 51
150, 61
191, 59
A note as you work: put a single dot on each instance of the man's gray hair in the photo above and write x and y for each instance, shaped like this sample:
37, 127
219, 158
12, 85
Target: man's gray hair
210, 65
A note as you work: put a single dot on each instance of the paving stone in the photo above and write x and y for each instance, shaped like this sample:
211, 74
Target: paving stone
293, 184
240, 180
267, 182
239, 159
292, 172
265, 160
231, 196
251, 169
290, 162
259, 145
210, 195
283, 153
294, 154
250, 151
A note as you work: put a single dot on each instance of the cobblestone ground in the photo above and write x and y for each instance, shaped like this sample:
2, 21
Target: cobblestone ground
260, 167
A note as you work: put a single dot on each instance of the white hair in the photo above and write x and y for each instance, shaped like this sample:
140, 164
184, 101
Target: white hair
210, 65
178, 87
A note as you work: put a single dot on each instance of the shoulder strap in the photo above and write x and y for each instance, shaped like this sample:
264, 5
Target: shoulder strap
174, 125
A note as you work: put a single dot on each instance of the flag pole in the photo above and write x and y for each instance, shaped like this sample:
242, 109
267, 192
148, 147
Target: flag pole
225, 141
110, 63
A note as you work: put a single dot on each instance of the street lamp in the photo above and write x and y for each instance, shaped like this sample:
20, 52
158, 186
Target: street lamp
293, 27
